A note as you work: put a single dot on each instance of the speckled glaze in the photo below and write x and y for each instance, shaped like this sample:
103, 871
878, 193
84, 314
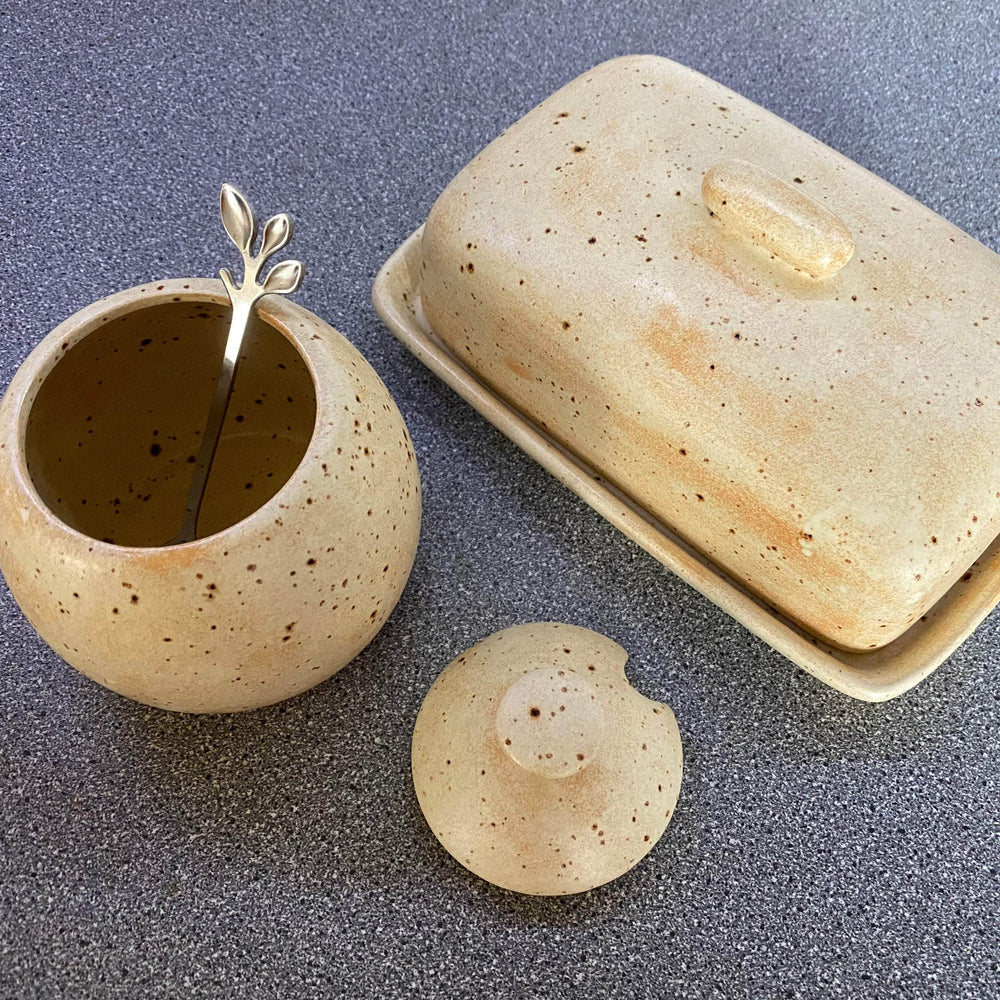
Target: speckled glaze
539, 767
828, 442
313, 504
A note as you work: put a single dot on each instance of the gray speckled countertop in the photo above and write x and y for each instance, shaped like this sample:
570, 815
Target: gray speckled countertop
821, 847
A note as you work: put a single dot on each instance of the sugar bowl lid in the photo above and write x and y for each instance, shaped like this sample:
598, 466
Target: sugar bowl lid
539, 767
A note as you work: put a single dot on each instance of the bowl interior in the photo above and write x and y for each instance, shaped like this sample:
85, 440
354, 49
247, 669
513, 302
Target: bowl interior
114, 428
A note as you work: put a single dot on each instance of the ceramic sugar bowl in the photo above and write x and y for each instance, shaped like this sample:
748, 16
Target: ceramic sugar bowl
308, 525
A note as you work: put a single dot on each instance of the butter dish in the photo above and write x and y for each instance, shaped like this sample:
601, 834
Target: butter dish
768, 366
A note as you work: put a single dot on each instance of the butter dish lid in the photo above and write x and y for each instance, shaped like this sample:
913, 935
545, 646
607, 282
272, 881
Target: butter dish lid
783, 357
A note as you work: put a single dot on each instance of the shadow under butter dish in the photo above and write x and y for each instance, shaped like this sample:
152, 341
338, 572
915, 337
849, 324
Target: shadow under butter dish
309, 523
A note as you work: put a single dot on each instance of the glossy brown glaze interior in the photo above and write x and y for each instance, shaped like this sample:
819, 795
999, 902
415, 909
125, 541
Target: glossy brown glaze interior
113, 431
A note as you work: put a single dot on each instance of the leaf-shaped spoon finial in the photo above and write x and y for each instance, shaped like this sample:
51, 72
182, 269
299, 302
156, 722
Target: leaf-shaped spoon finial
236, 217
282, 279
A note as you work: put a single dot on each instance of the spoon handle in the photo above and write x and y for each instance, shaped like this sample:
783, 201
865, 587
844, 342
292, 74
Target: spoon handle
213, 426
283, 279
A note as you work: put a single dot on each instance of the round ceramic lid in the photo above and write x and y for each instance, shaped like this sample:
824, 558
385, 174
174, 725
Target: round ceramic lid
539, 767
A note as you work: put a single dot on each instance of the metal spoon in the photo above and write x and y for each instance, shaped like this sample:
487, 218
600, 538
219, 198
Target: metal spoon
282, 279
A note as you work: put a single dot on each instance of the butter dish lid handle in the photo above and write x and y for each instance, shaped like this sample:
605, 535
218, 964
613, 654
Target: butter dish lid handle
768, 211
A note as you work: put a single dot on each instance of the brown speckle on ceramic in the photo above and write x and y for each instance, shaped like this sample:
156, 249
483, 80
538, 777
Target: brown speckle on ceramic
808, 437
539, 767
310, 520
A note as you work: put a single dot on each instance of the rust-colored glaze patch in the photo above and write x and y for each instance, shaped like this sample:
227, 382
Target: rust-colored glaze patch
164, 560
739, 506
517, 368
682, 345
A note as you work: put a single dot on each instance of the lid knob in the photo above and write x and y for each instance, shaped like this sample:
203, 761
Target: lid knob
550, 722
766, 210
